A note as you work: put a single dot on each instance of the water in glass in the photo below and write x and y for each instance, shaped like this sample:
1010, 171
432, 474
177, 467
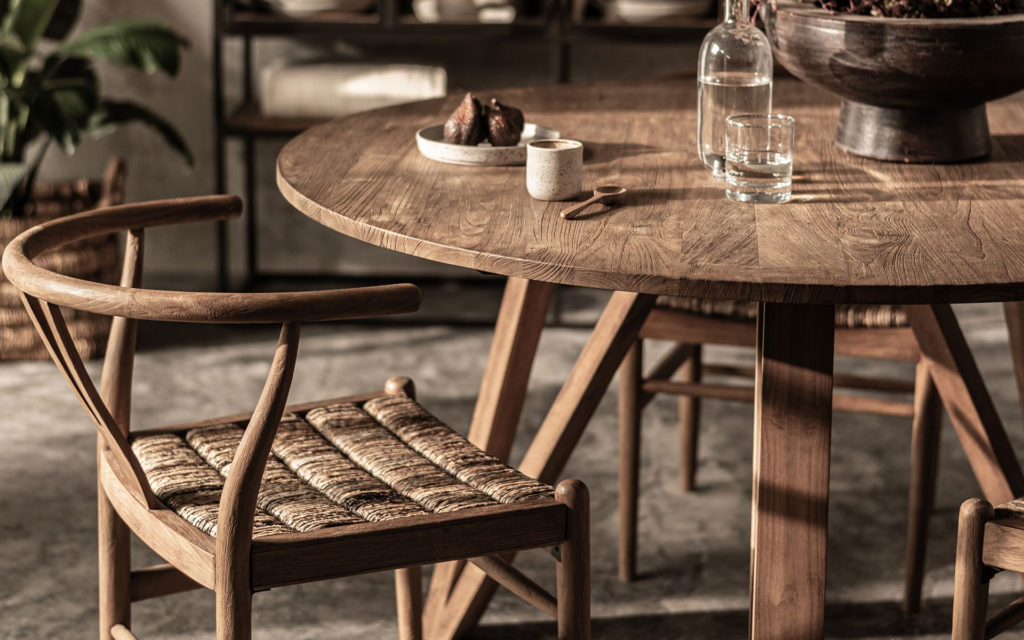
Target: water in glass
761, 177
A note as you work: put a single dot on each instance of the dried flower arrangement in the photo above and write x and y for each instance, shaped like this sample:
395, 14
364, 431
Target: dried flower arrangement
924, 8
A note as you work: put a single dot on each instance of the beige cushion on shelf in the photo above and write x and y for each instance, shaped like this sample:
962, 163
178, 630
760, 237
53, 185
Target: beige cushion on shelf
331, 89
848, 316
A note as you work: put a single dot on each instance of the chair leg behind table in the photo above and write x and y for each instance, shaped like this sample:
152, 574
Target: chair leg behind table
1014, 313
924, 464
689, 421
630, 378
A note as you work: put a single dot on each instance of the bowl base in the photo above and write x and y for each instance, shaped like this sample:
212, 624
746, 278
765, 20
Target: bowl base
913, 135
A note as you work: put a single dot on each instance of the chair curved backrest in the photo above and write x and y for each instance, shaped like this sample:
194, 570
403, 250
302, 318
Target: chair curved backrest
44, 291
130, 301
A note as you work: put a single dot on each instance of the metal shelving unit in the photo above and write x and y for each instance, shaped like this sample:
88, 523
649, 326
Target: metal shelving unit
559, 25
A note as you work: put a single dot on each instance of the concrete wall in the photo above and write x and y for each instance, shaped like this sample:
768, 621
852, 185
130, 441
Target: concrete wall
300, 246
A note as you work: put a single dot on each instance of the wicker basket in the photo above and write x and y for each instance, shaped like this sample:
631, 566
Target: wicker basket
95, 259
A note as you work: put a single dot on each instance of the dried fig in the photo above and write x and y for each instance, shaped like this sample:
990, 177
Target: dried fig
504, 124
467, 124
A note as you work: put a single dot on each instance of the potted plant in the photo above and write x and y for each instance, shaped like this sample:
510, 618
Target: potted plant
50, 95
914, 75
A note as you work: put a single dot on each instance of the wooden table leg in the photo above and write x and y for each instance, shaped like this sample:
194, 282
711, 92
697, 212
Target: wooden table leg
546, 457
524, 308
792, 439
967, 402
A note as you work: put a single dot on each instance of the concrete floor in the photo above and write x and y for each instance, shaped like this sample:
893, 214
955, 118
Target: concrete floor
693, 548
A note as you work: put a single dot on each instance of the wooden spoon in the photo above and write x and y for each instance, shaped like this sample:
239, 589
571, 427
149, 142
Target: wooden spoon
601, 194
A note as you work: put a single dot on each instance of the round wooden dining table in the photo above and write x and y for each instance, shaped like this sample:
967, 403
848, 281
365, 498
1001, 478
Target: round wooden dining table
856, 231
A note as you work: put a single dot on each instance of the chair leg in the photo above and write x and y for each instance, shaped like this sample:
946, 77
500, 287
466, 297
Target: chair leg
689, 421
234, 615
970, 585
234, 599
409, 600
573, 572
630, 372
924, 465
114, 567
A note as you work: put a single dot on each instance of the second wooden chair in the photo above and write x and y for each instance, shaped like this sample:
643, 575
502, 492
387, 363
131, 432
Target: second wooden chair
988, 541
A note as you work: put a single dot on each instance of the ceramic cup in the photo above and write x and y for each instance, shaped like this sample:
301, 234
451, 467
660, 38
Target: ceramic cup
554, 169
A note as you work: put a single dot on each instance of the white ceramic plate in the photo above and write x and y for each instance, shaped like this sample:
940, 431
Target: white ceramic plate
430, 141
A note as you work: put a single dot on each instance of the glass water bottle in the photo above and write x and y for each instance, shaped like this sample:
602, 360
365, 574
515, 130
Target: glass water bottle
734, 76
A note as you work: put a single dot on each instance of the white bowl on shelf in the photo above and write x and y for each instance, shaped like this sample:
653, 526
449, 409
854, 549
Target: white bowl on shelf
304, 8
640, 11
431, 11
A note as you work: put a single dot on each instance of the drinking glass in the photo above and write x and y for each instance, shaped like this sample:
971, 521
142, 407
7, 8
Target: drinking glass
759, 158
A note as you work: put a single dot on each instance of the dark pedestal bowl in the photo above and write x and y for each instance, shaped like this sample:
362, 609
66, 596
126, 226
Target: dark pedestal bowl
913, 90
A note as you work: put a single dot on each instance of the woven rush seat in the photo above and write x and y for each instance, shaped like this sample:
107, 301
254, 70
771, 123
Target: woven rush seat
848, 316
334, 465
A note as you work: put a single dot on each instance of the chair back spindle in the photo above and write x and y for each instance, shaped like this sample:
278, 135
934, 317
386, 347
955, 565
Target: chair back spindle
119, 361
241, 489
50, 324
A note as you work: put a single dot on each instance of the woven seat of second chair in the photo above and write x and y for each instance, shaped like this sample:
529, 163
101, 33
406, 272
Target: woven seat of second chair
334, 465
1012, 509
848, 316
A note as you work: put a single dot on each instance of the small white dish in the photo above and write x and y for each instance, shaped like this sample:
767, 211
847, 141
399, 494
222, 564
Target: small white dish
430, 141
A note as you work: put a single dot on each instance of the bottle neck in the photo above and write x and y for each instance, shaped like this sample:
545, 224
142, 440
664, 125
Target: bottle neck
736, 10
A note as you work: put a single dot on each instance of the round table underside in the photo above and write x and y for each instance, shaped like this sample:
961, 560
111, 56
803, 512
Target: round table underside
856, 230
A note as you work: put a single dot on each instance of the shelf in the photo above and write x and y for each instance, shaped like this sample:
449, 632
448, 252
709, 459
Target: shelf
369, 26
550, 30
356, 25
247, 120
249, 22
613, 28
522, 26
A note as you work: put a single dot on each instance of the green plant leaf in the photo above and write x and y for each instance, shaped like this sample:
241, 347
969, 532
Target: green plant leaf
64, 18
29, 19
67, 96
144, 44
111, 114
11, 174
63, 112
12, 57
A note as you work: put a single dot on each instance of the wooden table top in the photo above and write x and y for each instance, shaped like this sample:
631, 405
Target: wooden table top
856, 230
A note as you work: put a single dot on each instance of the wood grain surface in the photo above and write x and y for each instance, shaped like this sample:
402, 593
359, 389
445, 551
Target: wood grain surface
792, 443
857, 230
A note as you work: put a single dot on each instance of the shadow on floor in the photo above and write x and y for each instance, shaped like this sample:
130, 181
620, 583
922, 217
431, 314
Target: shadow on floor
846, 620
